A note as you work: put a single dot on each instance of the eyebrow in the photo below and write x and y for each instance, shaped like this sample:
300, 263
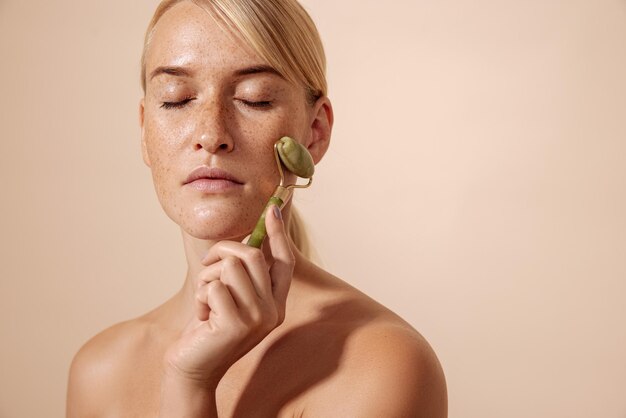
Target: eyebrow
178, 71
171, 70
258, 69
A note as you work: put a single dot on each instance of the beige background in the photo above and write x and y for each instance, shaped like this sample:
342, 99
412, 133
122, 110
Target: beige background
476, 185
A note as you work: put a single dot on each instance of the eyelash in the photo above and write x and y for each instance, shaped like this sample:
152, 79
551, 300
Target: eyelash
177, 105
182, 103
261, 104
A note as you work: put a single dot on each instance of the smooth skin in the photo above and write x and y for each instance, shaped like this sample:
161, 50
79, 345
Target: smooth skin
252, 332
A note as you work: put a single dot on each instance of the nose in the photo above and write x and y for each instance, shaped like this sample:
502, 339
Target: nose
214, 143
213, 135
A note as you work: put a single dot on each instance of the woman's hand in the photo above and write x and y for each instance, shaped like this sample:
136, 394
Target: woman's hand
240, 299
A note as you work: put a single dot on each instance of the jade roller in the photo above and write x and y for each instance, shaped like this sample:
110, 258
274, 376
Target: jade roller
295, 158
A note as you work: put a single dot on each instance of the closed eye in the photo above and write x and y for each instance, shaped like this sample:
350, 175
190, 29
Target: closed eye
259, 104
177, 105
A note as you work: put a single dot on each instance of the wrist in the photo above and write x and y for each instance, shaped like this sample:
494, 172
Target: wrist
206, 378
172, 375
185, 397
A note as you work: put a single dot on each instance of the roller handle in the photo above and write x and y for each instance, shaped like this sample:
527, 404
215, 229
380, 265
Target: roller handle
259, 232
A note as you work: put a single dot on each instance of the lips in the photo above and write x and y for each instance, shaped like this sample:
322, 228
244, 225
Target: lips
208, 173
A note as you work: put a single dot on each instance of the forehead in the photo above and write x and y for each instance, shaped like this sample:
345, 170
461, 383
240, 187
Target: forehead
189, 35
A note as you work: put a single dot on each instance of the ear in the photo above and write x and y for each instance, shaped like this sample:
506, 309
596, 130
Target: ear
321, 127
144, 148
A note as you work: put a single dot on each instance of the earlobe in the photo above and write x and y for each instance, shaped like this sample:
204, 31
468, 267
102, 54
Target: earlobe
144, 148
321, 128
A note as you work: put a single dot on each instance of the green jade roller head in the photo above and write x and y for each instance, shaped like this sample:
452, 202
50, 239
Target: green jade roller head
295, 158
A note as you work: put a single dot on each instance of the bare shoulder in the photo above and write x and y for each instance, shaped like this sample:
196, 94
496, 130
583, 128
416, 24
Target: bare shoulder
387, 369
98, 368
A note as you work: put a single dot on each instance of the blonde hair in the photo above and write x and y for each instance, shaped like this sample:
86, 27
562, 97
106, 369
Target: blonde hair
283, 34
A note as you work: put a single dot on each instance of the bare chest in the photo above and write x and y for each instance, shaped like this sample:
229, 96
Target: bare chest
250, 388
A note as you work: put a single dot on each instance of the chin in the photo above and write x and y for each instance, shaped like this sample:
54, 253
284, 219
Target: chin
217, 225
212, 236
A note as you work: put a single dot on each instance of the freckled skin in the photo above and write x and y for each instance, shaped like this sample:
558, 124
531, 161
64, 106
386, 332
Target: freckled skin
216, 128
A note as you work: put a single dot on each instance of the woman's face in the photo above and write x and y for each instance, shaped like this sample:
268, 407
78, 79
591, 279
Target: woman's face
211, 102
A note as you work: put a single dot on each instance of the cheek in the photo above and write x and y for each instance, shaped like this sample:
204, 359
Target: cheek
163, 145
254, 139
171, 129
165, 137
261, 130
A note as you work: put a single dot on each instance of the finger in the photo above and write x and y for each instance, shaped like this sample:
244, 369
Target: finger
202, 309
239, 284
220, 301
206, 275
210, 273
284, 260
253, 261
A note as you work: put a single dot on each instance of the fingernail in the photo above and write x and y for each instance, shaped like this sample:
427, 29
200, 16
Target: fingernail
277, 213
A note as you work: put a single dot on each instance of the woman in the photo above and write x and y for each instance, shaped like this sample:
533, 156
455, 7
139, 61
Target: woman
252, 332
